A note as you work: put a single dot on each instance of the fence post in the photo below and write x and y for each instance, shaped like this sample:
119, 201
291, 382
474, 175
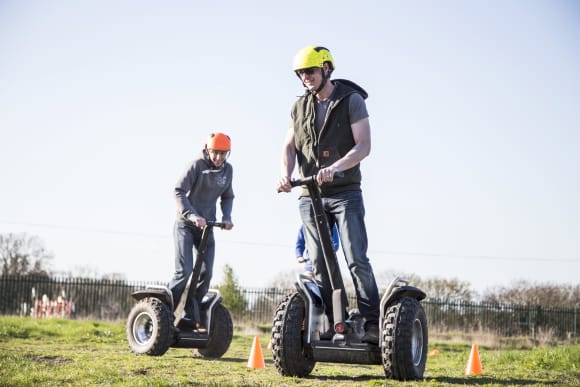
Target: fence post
575, 319
530, 325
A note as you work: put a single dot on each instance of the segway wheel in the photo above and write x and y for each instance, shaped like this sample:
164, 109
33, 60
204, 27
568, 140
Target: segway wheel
404, 334
148, 329
290, 356
220, 334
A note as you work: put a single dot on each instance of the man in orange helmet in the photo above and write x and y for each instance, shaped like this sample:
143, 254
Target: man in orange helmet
197, 191
328, 137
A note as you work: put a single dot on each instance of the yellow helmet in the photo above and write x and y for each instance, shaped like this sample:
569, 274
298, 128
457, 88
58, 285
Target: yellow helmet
312, 56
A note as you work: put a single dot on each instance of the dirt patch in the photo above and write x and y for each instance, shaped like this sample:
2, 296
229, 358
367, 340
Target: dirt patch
52, 360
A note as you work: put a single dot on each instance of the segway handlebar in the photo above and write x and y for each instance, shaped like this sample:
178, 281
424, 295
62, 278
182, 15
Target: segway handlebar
339, 300
310, 180
213, 223
305, 181
193, 308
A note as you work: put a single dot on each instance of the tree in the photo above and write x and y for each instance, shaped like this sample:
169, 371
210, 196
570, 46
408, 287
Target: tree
22, 254
232, 297
446, 290
523, 292
285, 279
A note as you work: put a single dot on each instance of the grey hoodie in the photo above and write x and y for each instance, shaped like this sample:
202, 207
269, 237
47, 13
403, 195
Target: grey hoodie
200, 186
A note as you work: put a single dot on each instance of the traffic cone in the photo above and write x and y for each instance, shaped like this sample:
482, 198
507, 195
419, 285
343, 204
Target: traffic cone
474, 364
256, 359
434, 352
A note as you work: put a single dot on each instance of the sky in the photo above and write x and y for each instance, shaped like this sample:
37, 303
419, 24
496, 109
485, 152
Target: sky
474, 112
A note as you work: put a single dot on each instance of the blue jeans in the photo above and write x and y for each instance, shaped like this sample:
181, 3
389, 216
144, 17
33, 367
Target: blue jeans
346, 209
187, 237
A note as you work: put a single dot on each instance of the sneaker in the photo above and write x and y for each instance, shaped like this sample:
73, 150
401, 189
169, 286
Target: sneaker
200, 328
371, 334
327, 335
186, 324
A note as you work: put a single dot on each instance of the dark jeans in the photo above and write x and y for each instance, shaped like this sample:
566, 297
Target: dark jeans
346, 209
187, 237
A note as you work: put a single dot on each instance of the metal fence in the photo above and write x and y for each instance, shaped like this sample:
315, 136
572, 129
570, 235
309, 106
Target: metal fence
111, 300
66, 297
505, 320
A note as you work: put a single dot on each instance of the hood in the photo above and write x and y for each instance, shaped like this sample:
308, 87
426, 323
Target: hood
352, 85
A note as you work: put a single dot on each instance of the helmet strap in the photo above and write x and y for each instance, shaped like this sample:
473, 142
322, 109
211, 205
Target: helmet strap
325, 79
323, 83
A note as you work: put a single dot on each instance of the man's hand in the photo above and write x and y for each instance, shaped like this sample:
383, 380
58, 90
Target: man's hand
228, 225
197, 220
326, 175
284, 185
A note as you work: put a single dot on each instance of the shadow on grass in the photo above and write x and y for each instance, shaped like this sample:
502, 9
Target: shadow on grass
483, 380
468, 380
446, 380
223, 359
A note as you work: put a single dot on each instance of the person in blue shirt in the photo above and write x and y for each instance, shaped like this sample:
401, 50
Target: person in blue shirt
302, 255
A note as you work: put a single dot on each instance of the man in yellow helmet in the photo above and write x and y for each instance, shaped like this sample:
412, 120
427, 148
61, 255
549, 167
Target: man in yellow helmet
204, 181
329, 136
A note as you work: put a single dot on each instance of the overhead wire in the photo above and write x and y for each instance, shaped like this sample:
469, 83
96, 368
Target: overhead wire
256, 243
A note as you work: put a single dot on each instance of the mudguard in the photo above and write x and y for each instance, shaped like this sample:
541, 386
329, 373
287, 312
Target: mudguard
160, 292
405, 291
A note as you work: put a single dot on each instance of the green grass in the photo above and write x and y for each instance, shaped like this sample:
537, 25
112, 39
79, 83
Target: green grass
55, 352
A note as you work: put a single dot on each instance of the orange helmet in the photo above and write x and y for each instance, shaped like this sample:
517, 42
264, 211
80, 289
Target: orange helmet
219, 141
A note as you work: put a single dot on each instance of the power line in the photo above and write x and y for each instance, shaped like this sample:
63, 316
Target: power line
253, 243
483, 257
86, 229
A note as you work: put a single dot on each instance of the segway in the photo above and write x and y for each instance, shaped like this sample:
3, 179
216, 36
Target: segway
152, 327
301, 331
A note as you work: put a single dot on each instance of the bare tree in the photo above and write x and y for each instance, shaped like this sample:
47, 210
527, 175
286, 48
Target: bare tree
444, 289
447, 290
80, 271
22, 254
285, 280
545, 294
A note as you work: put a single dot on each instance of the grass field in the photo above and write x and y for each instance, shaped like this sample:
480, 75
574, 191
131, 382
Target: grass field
35, 352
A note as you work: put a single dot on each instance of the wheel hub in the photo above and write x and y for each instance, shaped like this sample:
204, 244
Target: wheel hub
417, 342
143, 328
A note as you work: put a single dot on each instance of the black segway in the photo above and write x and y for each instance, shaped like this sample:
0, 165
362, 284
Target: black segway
152, 327
300, 330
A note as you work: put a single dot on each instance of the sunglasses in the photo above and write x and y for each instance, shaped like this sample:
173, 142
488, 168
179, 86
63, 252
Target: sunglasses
308, 71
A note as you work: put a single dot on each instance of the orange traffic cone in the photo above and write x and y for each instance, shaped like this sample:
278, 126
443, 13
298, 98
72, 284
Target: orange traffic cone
434, 352
474, 364
256, 359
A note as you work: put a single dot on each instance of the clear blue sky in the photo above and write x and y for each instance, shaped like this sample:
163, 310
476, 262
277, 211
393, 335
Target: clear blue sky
474, 109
